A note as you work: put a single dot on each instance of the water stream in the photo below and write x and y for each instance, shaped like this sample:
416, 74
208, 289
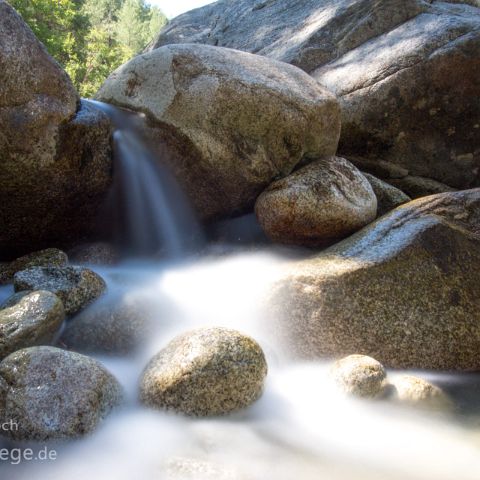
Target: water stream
300, 429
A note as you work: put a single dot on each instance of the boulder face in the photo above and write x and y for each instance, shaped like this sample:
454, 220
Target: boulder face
404, 290
54, 153
55, 394
404, 70
324, 201
229, 122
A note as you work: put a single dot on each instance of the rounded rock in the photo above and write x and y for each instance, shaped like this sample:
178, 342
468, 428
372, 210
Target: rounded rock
77, 287
205, 372
31, 319
417, 392
360, 376
322, 202
56, 394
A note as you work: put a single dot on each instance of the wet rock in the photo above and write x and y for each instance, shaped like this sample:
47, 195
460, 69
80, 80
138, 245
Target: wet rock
388, 196
55, 152
116, 326
405, 71
29, 320
404, 290
55, 394
210, 371
327, 200
98, 253
50, 257
75, 286
417, 392
359, 376
227, 122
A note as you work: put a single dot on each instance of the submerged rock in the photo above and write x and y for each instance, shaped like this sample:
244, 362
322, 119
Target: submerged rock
114, 326
75, 286
55, 162
417, 392
388, 196
55, 394
205, 372
50, 257
228, 122
327, 200
360, 376
405, 71
404, 290
30, 319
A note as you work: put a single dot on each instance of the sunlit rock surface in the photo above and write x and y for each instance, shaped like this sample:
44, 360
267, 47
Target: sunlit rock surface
404, 290
405, 71
230, 122
318, 204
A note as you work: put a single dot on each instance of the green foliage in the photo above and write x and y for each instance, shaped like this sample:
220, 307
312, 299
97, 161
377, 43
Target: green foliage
91, 38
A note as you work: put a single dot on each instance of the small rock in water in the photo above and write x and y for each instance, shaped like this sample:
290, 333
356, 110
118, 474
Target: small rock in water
417, 392
209, 371
76, 286
29, 319
322, 202
52, 393
50, 257
360, 376
115, 326
193, 469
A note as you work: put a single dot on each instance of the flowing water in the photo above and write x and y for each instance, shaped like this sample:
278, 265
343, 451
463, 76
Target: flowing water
300, 429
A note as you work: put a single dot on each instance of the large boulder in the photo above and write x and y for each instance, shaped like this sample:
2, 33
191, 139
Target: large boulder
209, 371
405, 70
30, 319
55, 394
405, 290
54, 153
77, 287
230, 122
324, 201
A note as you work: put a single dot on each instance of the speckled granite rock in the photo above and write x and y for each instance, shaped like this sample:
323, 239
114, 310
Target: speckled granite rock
75, 286
405, 71
31, 319
209, 371
110, 326
405, 290
417, 392
388, 196
324, 201
54, 394
230, 122
50, 257
360, 376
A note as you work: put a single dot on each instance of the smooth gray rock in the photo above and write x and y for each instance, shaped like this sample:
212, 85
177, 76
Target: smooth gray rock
205, 372
29, 320
55, 394
418, 187
318, 204
228, 122
77, 287
405, 71
405, 290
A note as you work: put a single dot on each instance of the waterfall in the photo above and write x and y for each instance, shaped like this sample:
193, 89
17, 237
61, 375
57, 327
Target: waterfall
151, 213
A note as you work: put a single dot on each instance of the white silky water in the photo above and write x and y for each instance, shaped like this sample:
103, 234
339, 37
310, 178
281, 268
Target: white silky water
300, 429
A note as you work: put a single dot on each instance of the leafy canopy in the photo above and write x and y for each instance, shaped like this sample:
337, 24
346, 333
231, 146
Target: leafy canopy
91, 38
